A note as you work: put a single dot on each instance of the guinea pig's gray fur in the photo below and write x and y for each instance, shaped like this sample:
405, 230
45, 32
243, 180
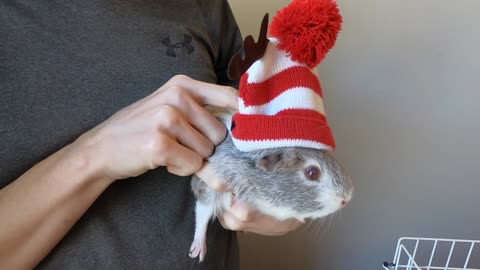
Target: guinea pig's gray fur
271, 180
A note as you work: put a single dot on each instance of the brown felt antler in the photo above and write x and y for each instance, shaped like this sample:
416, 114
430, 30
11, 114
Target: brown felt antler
249, 53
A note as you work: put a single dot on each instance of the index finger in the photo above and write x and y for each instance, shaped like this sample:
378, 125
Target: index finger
206, 93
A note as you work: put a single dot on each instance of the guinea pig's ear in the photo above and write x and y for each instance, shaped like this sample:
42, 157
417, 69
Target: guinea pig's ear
277, 161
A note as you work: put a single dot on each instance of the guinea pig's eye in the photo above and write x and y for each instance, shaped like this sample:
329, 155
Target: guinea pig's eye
312, 173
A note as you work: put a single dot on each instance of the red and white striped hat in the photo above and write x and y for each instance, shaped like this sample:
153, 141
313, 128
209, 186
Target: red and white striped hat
280, 98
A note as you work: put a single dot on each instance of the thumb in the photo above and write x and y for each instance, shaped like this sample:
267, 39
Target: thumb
207, 174
206, 93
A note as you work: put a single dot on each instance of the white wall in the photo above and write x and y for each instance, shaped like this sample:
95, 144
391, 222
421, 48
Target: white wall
401, 88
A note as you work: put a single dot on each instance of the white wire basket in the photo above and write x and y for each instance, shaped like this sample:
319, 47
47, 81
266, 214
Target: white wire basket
413, 253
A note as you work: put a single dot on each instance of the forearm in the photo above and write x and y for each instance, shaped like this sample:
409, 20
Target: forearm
39, 208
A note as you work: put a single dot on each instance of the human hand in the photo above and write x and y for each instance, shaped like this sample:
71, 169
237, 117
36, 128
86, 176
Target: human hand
167, 128
243, 217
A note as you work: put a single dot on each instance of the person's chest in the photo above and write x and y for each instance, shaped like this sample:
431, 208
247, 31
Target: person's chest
68, 65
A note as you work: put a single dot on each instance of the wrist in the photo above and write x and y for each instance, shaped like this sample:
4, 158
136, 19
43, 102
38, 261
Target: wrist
83, 157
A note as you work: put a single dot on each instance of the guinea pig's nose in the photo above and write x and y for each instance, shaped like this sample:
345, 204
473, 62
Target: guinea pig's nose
344, 203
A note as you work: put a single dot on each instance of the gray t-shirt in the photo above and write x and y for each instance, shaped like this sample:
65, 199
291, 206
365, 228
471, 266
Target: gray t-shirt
66, 66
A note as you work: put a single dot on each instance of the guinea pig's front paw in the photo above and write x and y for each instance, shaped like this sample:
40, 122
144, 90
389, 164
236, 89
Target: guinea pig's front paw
198, 249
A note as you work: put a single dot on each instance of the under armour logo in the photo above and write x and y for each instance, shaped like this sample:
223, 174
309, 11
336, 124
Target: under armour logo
186, 44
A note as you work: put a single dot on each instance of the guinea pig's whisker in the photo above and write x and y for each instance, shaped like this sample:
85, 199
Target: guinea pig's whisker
333, 219
309, 224
325, 226
321, 230
318, 226
336, 217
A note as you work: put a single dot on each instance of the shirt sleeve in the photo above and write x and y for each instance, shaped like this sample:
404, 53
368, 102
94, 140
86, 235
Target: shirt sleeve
229, 43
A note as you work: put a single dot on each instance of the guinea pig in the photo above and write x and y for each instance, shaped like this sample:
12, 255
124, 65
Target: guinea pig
288, 182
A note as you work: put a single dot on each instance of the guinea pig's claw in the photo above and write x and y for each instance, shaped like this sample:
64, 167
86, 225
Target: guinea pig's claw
198, 249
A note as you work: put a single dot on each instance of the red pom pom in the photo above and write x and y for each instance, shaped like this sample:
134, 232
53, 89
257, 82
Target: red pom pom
307, 29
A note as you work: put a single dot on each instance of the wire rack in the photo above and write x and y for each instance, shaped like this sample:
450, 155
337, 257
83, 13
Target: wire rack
414, 253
